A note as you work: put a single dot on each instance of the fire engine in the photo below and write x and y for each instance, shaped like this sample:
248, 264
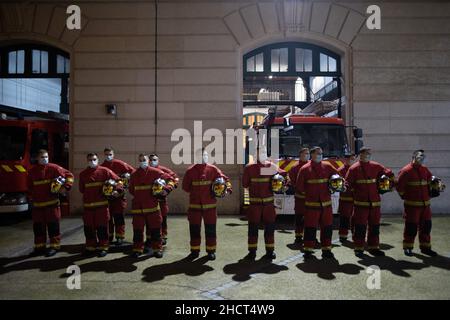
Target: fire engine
20, 140
299, 130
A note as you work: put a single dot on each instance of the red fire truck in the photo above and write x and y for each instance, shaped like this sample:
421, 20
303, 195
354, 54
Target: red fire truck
299, 130
20, 140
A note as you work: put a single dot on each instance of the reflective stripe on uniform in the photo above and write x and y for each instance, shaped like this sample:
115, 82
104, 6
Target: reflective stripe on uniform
7, 168
147, 210
300, 196
317, 204
263, 200
367, 204
417, 203
260, 180
195, 247
46, 203
93, 184
346, 198
69, 180
417, 183
96, 204
20, 168
41, 182
366, 181
143, 187
202, 206
315, 181
201, 182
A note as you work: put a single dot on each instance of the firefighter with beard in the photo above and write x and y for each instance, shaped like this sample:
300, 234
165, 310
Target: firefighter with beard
299, 207
413, 186
45, 182
118, 205
363, 178
345, 201
198, 181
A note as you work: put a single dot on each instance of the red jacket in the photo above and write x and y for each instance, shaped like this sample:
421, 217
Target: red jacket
197, 182
140, 187
312, 180
260, 185
346, 196
413, 183
91, 186
362, 179
39, 179
174, 176
293, 173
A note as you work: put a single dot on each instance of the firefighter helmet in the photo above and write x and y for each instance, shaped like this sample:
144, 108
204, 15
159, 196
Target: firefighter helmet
336, 183
278, 183
110, 189
385, 184
56, 184
219, 188
436, 186
125, 178
158, 187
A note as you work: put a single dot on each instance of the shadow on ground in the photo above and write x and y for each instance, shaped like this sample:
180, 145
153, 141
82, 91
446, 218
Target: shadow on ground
245, 268
327, 268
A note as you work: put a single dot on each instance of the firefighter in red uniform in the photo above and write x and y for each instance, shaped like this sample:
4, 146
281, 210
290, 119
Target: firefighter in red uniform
345, 201
163, 204
312, 180
362, 177
198, 181
145, 207
46, 212
96, 212
413, 187
258, 179
299, 207
118, 205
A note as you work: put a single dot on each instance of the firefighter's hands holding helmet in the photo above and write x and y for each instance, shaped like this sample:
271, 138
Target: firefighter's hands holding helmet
161, 188
113, 189
61, 185
336, 184
280, 183
220, 188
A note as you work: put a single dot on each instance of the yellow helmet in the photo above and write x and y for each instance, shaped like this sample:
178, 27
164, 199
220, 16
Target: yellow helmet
436, 186
158, 186
125, 178
219, 187
385, 184
336, 183
278, 183
110, 189
56, 184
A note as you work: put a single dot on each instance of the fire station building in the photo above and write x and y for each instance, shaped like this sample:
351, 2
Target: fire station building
138, 70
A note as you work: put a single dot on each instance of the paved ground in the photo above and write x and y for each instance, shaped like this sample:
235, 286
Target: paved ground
118, 276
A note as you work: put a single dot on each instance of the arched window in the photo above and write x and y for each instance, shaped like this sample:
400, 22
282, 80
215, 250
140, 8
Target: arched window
290, 73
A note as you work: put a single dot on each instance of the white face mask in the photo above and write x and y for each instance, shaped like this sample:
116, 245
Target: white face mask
367, 158
109, 157
43, 160
154, 163
143, 164
420, 159
306, 157
93, 164
318, 158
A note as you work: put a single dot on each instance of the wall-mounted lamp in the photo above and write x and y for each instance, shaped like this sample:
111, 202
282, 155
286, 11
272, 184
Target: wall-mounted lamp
111, 109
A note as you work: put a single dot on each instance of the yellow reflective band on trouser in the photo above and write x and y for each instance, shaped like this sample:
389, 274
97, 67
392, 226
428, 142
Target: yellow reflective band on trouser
326, 248
195, 248
261, 200
408, 245
252, 246
300, 196
425, 245
299, 234
90, 248
138, 250
208, 248
308, 249
46, 203
201, 182
315, 181
359, 248
417, 183
367, 204
41, 182
366, 181
417, 203
55, 246
93, 184
147, 210
260, 180
39, 245
350, 199
270, 245
317, 204
373, 247
143, 187
202, 206
96, 204
105, 248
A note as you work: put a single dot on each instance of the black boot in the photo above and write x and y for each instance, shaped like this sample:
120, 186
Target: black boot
251, 255
194, 255
119, 242
37, 252
359, 253
342, 239
298, 240
51, 252
164, 241
158, 254
270, 255
429, 252
308, 255
408, 252
211, 256
327, 254
102, 253
136, 254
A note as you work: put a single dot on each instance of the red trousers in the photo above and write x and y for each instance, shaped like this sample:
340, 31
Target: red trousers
96, 228
117, 219
363, 217
209, 217
315, 218
164, 211
345, 216
266, 214
417, 218
45, 220
299, 216
152, 223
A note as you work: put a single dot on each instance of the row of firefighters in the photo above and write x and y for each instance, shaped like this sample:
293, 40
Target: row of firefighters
360, 183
